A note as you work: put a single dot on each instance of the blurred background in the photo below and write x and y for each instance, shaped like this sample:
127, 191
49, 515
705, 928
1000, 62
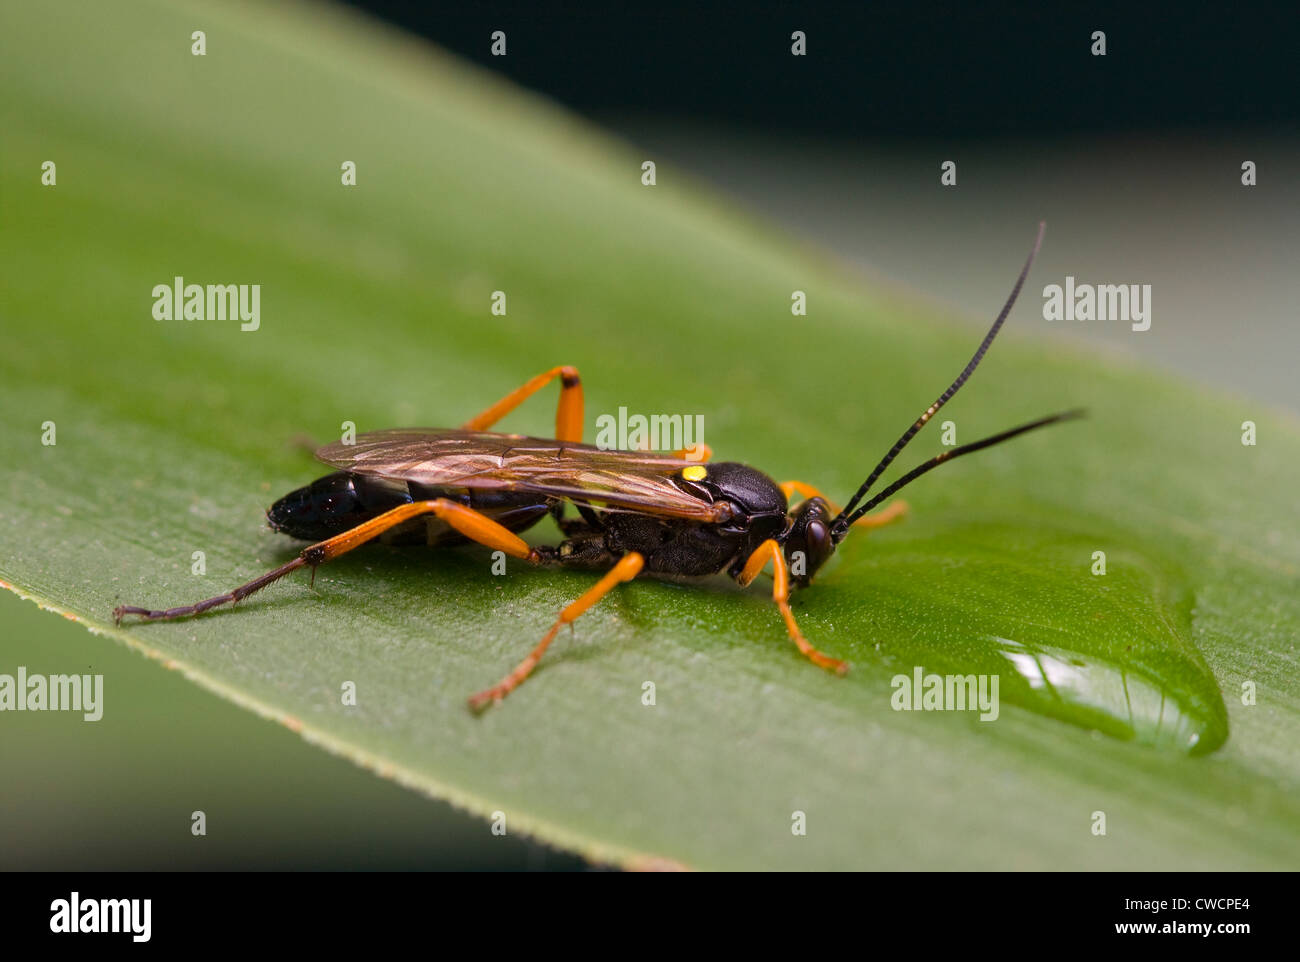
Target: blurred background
843, 147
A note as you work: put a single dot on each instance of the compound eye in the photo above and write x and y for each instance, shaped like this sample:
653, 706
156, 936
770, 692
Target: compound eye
819, 539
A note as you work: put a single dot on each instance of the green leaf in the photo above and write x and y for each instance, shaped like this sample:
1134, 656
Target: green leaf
174, 436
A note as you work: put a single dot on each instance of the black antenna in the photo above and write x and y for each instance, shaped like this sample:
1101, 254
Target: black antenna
956, 452
839, 525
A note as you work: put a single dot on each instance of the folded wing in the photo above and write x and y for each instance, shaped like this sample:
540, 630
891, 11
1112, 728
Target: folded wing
453, 458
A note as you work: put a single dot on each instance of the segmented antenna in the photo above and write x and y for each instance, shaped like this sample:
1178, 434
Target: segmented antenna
956, 452
840, 524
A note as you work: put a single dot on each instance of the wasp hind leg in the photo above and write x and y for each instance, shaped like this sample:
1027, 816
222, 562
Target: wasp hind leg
568, 416
467, 521
627, 568
771, 551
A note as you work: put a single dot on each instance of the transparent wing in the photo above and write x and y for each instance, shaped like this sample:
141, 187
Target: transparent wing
452, 458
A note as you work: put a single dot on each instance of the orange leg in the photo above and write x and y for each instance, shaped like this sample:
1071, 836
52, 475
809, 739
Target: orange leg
628, 567
804, 490
568, 416
882, 517
465, 520
771, 551
699, 453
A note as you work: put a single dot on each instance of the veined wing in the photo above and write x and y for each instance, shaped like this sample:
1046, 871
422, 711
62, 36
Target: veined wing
453, 458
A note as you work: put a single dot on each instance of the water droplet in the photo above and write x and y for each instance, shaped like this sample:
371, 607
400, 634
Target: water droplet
1124, 702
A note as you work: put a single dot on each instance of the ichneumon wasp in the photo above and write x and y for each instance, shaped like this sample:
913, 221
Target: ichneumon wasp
661, 515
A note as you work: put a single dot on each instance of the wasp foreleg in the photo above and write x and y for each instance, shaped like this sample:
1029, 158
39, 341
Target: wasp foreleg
770, 550
882, 517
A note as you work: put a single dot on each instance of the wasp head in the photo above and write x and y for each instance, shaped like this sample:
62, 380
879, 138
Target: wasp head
808, 541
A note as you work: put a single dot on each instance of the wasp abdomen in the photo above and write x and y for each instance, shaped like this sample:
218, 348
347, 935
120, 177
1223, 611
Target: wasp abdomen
335, 503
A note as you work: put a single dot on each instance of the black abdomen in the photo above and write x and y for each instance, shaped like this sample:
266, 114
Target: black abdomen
335, 503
